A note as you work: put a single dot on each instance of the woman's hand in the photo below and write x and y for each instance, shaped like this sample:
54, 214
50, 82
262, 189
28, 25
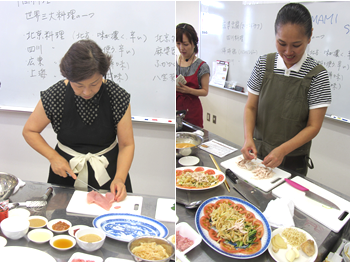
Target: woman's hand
274, 159
249, 150
60, 166
118, 189
183, 89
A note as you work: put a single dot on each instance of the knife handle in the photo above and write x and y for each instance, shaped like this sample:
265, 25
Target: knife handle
47, 193
229, 173
296, 185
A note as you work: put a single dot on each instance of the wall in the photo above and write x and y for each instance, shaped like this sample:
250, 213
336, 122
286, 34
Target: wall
329, 149
151, 172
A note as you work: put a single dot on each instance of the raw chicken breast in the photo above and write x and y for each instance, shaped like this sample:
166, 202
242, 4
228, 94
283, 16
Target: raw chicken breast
97, 198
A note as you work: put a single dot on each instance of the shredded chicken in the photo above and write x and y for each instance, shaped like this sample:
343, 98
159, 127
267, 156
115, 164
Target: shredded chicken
199, 176
262, 172
239, 226
246, 164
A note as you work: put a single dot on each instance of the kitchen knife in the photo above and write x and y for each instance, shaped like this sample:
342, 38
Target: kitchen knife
248, 197
311, 194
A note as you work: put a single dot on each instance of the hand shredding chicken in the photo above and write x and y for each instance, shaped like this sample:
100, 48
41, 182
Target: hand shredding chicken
259, 171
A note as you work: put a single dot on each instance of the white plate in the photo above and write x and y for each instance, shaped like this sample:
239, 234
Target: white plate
185, 230
3, 241
52, 240
280, 256
71, 229
21, 212
124, 227
86, 257
54, 221
265, 240
15, 253
217, 173
189, 160
47, 232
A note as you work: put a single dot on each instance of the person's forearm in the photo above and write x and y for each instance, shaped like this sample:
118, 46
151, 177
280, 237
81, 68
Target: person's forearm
38, 143
198, 92
249, 123
125, 157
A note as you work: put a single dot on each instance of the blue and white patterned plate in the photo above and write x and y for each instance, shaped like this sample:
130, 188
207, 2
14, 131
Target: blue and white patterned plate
265, 240
124, 227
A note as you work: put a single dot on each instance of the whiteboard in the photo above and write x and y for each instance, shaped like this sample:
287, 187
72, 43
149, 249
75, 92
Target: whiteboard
239, 32
140, 36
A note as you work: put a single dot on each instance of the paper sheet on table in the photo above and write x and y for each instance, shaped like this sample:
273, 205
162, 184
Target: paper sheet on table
217, 148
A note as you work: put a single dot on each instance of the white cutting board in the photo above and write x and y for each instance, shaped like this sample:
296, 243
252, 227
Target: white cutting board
79, 205
264, 184
164, 211
327, 216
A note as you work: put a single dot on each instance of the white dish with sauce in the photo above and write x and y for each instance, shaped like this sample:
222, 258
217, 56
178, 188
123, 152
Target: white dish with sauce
90, 239
40, 235
63, 242
38, 221
74, 229
51, 223
19, 212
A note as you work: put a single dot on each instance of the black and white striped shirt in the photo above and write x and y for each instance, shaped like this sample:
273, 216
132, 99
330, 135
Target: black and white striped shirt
319, 94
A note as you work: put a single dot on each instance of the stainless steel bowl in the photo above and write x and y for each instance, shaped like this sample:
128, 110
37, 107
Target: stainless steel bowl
169, 247
188, 137
8, 183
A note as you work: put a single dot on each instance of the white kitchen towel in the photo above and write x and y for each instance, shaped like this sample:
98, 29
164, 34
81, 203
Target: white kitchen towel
280, 212
21, 183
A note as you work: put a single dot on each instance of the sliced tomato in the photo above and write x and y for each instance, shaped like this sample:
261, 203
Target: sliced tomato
240, 208
255, 247
179, 172
221, 177
257, 224
205, 222
209, 172
259, 232
198, 169
229, 248
208, 209
213, 235
187, 170
249, 216
228, 201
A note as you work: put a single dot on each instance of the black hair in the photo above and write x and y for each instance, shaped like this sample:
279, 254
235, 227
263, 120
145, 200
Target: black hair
294, 13
190, 32
83, 59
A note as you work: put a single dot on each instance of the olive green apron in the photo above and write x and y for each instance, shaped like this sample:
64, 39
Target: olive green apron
283, 110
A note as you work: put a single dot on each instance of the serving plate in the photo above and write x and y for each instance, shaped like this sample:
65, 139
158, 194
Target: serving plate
217, 174
280, 256
265, 240
15, 253
124, 227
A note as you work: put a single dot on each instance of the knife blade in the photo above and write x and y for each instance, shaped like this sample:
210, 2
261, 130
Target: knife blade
248, 197
311, 194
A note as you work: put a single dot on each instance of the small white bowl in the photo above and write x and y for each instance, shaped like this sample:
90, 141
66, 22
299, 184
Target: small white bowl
185, 230
76, 228
19, 212
38, 217
15, 227
40, 235
90, 246
172, 239
189, 160
346, 252
59, 237
54, 221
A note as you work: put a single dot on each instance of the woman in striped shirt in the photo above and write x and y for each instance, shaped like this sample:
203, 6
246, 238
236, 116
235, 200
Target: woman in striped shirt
288, 95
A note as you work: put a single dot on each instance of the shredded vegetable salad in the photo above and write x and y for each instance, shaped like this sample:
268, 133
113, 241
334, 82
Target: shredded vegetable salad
197, 178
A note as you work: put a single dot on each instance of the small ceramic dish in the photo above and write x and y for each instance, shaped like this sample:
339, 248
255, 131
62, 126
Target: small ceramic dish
78, 256
63, 242
189, 161
38, 221
40, 235
185, 230
172, 239
53, 222
74, 229
20, 212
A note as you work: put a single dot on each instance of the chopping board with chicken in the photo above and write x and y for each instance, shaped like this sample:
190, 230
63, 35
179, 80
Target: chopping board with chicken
95, 205
255, 173
332, 218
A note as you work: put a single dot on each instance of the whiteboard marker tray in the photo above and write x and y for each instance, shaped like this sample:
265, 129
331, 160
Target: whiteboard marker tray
264, 184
